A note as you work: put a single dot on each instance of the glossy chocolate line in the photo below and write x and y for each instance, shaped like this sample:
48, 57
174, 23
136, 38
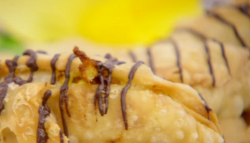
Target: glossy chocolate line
44, 112
99, 91
208, 109
150, 60
108, 56
41, 52
53, 67
3, 92
61, 136
206, 47
63, 91
224, 55
109, 65
209, 63
236, 33
178, 60
244, 9
132, 56
196, 33
31, 63
104, 86
125, 90
12, 65
19, 81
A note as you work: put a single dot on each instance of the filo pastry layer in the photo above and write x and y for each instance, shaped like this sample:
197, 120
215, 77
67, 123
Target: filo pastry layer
98, 100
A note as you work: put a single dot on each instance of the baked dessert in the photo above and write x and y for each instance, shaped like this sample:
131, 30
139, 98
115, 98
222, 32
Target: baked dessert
61, 98
214, 62
227, 23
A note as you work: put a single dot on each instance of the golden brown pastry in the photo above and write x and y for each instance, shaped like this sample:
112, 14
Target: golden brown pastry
207, 53
225, 23
56, 98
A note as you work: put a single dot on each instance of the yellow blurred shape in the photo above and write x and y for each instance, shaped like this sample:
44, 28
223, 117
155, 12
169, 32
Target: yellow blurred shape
113, 22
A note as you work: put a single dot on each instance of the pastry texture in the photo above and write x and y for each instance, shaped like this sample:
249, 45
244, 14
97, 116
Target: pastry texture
56, 98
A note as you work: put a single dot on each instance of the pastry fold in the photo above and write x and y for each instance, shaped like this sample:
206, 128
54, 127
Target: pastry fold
99, 100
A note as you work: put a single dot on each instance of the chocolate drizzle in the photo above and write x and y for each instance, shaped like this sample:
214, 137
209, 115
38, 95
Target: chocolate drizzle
125, 90
177, 52
207, 51
41, 52
224, 55
209, 63
103, 90
53, 67
12, 65
244, 9
63, 91
44, 112
31, 63
206, 105
150, 60
61, 136
132, 56
218, 17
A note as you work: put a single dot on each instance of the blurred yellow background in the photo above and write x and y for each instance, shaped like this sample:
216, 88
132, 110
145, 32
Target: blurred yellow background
112, 22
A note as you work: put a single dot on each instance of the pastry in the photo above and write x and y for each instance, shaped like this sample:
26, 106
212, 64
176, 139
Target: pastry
56, 98
225, 23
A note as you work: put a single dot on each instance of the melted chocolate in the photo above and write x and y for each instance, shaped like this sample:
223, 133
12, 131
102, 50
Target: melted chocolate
3, 92
177, 52
203, 38
61, 136
19, 81
125, 90
44, 112
104, 87
31, 63
41, 52
209, 63
108, 56
150, 60
224, 55
132, 55
218, 17
53, 67
206, 105
244, 9
63, 91
12, 65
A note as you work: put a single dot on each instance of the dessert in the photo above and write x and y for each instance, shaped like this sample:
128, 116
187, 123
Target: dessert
56, 98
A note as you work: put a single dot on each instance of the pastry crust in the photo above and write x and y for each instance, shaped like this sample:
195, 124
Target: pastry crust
157, 110
225, 23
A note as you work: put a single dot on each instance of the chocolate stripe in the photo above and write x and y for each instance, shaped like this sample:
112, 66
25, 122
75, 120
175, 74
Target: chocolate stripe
209, 63
61, 136
194, 32
41, 52
244, 9
44, 112
63, 91
125, 90
12, 65
177, 52
132, 56
31, 63
105, 82
221, 46
236, 33
224, 55
150, 60
208, 109
53, 67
